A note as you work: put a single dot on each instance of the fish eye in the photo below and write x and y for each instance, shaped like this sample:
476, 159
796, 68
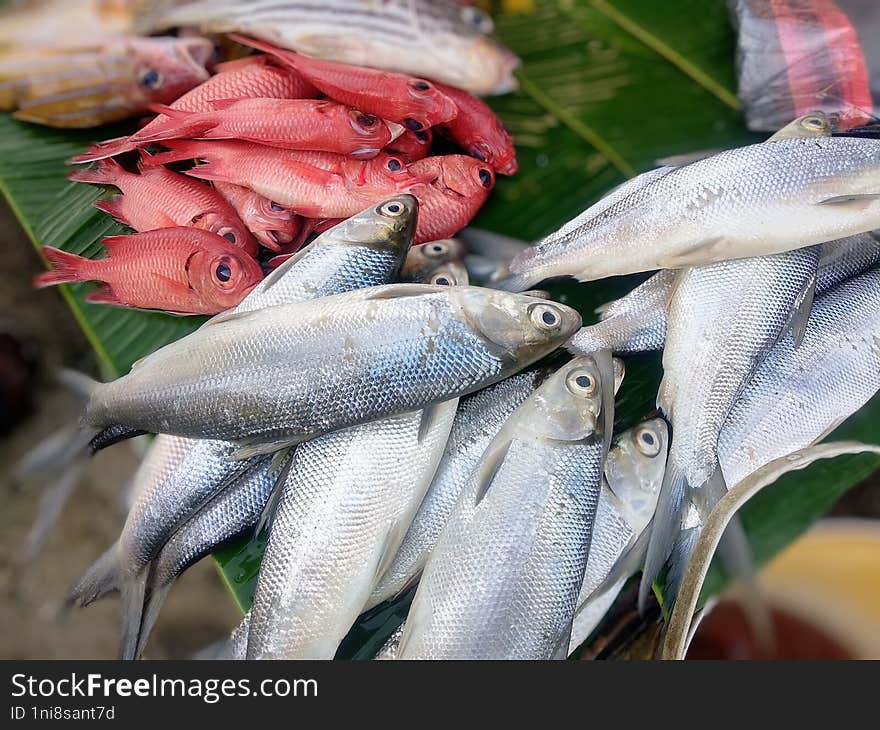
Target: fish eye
441, 280
223, 272
394, 164
545, 317
276, 206
391, 210
364, 120
485, 177
413, 125
422, 136
647, 442
435, 249
476, 19
152, 79
229, 236
420, 85
581, 383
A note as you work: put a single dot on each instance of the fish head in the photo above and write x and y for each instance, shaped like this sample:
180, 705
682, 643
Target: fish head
231, 230
456, 174
522, 327
388, 225
494, 147
635, 467
567, 406
166, 68
272, 223
425, 105
449, 273
429, 256
384, 169
371, 132
222, 275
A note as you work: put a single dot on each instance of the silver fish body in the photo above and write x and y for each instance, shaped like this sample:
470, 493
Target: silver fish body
503, 579
790, 193
291, 372
440, 40
478, 420
723, 320
633, 474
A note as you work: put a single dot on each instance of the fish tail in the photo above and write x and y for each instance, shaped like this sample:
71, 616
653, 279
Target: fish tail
106, 172
113, 207
288, 58
152, 605
78, 384
665, 527
105, 576
133, 591
214, 170
55, 497
679, 557
67, 268
102, 150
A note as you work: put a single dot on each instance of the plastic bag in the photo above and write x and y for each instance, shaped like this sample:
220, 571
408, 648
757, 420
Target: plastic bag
799, 56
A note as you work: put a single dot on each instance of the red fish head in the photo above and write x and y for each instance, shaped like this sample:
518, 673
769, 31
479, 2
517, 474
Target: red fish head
222, 278
167, 68
389, 168
272, 223
435, 107
456, 174
495, 148
233, 231
370, 131
412, 146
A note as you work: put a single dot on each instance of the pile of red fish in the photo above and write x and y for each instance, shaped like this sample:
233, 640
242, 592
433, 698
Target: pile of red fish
290, 145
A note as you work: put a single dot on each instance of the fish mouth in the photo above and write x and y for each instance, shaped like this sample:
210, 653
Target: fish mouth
395, 129
365, 153
195, 53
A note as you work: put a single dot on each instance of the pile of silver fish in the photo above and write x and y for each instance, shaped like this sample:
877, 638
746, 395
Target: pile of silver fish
390, 425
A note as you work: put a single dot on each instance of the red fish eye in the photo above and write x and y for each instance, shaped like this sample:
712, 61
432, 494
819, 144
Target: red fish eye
394, 164
413, 124
485, 177
229, 236
366, 120
275, 206
223, 272
420, 86
422, 136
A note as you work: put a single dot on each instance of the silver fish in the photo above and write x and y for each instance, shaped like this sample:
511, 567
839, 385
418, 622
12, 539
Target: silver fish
723, 320
792, 192
633, 475
503, 580
438, 39
637, 321
283, 374
428, 256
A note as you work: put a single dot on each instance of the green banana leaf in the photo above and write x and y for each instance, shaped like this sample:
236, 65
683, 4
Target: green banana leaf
606, 88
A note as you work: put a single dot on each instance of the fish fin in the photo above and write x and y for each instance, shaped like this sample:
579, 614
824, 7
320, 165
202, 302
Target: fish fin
281, 463
106, 172
152, 606
113, 206
695, 255
801, 317
210, 170
514, 282
228, 316
428, 419
560, 651
104, 295
400, 291
52, 502
490, 463
629, 563
246, 450
51, 455
679, 558
178, 150
103, 577
664, 528
67, 268
221, 104
78, 384
102, 150
857, 202
288, 58
111, 242
133, 592
169, 111
112, 435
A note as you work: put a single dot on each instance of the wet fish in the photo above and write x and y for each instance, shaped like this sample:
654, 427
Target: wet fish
503, 579
431, 344
479, 132
411, 146
438, 39
342, 513
252, 77
271, 223
427, 257
296, 124
413, 102
159, 198
633, 475
807, 191
723, 320
115, 80
313, 184
363, 251
180, 270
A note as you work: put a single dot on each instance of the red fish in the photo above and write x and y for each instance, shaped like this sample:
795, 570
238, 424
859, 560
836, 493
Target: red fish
272, 224
247, 78
408, 100
179, 270
314, 184
160, 198
296, 124
479, 132
411, 146
455, 188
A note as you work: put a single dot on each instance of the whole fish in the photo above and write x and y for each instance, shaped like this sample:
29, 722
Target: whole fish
792, 192
427, 257
271, 223
637, 321
503, 579
723, 320
413, 102
159, 198
411, 146
180, 270
479, 132
115, 80
633, 474
455, 189
342, 513
429, 343
252, 77
296, 124
293, 178
366, 250
440, 39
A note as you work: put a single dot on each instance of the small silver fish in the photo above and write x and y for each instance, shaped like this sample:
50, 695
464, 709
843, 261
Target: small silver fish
503, 580
429, 256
